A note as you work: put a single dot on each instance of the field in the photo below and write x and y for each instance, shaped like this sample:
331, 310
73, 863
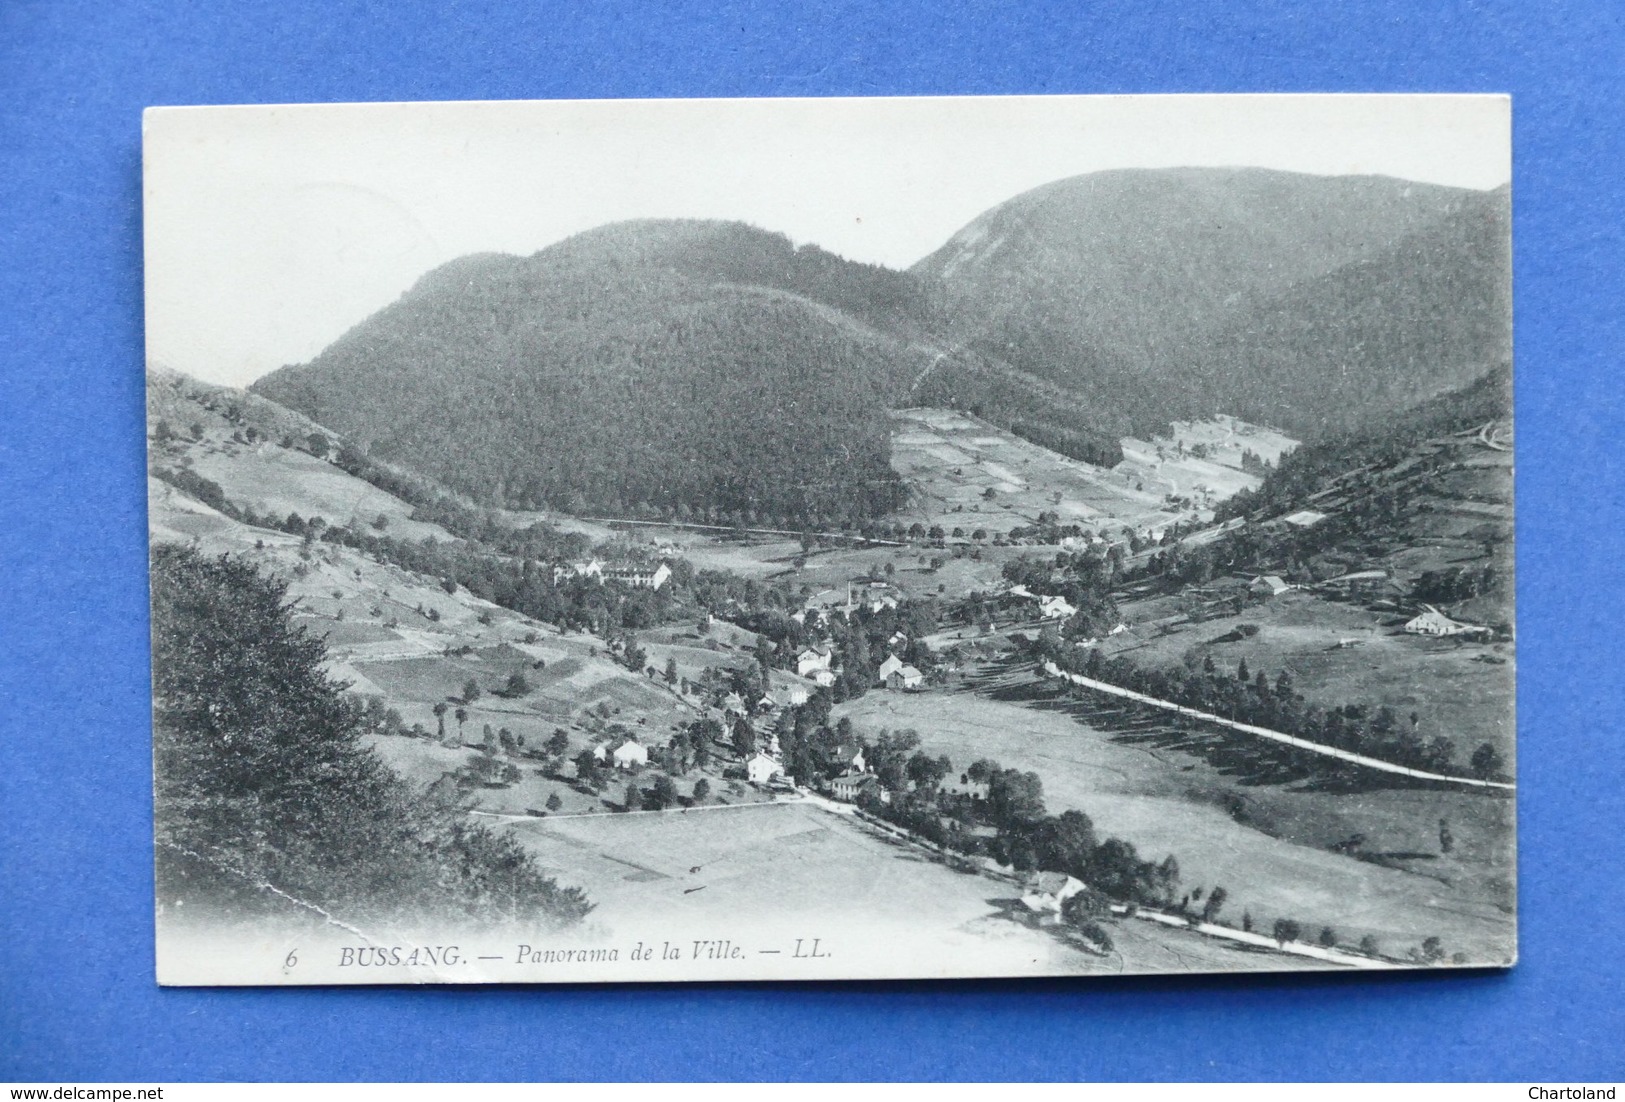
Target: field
963, 472
791, 869
1444, 682
1265, 844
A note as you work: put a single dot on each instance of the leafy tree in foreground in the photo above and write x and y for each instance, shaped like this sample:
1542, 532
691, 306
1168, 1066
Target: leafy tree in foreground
263, 781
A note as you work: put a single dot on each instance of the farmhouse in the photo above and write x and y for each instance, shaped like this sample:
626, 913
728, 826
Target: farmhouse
1434, 622
1056, 608
761, 769
850, 786
1047, 891
1268, 585
890, 666
906, 677
733, 704
845, 758
630, 753
824, 678
1304, 518
812, 659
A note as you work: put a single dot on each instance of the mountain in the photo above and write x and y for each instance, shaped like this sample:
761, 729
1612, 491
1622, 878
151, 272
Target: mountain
672, 366
1317, 304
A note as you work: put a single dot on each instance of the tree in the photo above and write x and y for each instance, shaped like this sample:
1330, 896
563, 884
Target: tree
471, 691
263, 777
1447, 840
1015, 797
927, 772
462, 718
671, 671
318, 445
744, 738
553, 801
516, 686
660, 795
1328, 938
587, 771
1487, 762
1214, 904
1432, 951
1368, 945
702, 789
558, 742
1081, 908
1286, 930
440, 710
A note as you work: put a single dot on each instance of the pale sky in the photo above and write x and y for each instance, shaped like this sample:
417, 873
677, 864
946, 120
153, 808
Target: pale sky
271, 230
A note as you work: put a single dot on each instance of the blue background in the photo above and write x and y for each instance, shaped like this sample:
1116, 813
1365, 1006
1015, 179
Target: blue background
77, 999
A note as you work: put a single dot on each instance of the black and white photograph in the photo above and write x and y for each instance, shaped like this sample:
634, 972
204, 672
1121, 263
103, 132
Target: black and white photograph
826, 539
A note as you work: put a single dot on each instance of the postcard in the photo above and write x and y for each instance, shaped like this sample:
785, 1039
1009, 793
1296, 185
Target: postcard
830, 539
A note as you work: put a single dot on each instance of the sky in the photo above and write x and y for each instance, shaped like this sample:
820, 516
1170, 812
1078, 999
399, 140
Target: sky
271, 230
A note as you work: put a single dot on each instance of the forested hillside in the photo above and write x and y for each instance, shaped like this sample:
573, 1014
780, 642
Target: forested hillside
648, 366
1317, 304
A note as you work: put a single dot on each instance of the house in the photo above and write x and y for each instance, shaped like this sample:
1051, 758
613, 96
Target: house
1304, 518
639, 578
823, 678
1056, 608
905, 678
850, 786
733, 704
1268, 585
1434, 622
890, 666
898, 639
811, 659
1045, 892
629, 754
846, 757
760, 769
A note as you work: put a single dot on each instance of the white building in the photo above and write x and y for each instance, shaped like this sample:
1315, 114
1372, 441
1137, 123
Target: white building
1434, 622
1268, 585
638, 578
812, 659
761, 769
1047, 891
629, 754
890, 666
1056, 608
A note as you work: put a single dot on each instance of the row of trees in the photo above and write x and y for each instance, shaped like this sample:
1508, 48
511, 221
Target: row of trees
1251, 697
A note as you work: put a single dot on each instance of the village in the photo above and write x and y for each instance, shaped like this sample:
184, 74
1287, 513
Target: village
845, 676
